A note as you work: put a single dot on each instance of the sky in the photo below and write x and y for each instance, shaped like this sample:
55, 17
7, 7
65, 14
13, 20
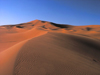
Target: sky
73, 12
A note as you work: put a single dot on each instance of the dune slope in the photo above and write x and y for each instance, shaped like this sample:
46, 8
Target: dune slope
59, 54
46, 48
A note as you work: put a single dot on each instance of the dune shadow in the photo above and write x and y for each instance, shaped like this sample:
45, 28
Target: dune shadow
20, 26
88, 28
88, 42
60, 25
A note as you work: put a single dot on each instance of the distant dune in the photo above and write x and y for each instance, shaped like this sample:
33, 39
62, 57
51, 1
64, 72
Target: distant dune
46, 48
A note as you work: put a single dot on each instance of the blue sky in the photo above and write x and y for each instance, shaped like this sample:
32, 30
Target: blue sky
73, 12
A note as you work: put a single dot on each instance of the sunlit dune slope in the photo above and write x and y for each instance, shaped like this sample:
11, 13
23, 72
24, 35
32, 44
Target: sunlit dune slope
8, 56
46, 48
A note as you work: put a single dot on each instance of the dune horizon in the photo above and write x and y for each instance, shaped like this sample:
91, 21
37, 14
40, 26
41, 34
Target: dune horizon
46, 48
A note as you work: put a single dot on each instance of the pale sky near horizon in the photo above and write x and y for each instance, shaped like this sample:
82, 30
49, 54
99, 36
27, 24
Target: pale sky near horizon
73, 12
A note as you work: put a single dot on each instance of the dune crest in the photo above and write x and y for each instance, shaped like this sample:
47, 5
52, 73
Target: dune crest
46, 48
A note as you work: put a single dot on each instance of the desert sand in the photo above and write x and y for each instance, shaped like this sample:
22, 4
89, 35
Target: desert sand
46, 48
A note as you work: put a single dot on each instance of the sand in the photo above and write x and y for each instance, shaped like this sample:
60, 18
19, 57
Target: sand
45, 48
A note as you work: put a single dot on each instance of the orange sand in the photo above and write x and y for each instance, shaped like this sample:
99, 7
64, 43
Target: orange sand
45, 48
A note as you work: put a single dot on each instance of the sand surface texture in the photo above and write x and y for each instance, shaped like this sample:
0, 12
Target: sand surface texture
46, 48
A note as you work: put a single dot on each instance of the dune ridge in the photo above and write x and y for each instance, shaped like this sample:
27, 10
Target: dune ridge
7, 57
46, 48
58, 54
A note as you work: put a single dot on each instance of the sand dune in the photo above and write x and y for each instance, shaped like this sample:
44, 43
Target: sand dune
46, 48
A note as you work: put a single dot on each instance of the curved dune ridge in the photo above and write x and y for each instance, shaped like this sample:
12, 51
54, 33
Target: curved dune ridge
46, 48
